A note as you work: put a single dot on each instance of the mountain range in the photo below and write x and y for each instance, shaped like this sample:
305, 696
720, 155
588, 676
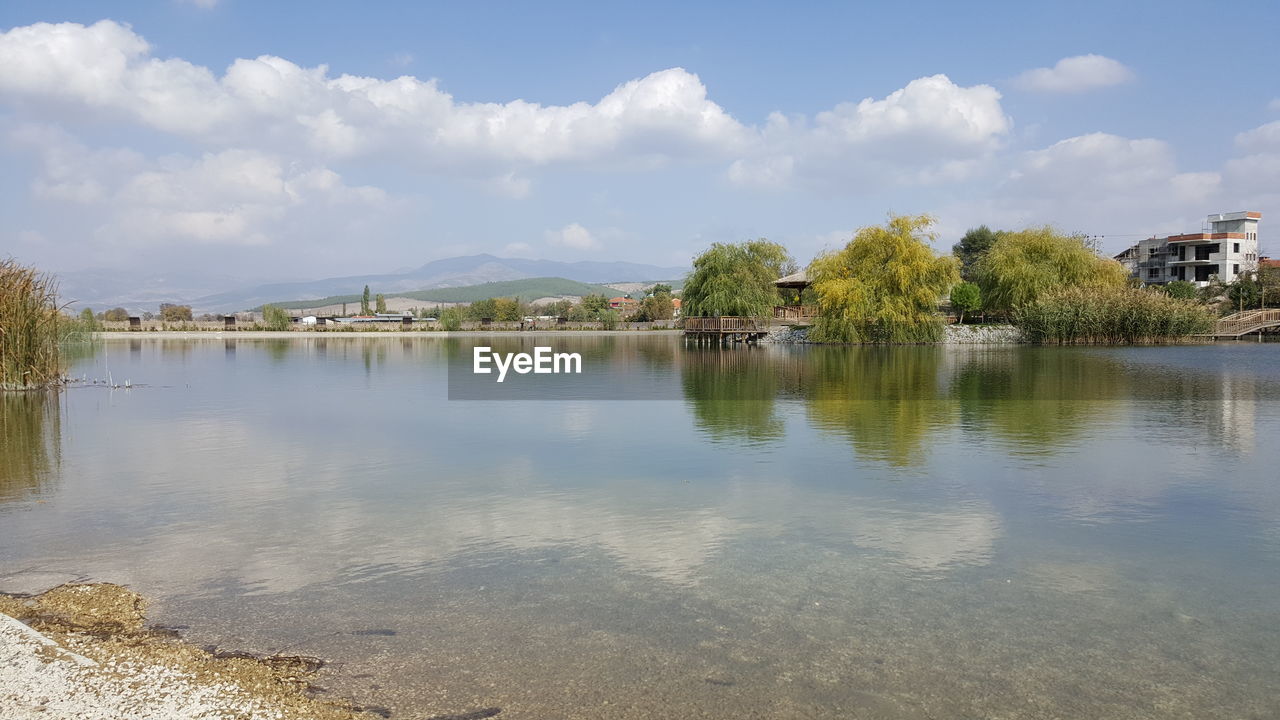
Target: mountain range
101, 289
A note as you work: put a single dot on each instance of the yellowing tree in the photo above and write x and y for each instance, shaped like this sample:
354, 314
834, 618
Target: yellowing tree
884, 286
1022, 266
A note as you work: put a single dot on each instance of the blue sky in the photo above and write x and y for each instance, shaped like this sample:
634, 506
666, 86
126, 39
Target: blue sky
274, 139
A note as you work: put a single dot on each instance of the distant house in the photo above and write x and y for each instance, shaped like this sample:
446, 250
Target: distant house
623, 303
675, 306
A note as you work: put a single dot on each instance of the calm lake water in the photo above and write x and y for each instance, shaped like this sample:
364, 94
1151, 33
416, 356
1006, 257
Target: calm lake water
787, 532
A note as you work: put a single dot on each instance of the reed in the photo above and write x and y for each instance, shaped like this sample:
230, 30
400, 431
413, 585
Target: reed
31, 328
1110, 316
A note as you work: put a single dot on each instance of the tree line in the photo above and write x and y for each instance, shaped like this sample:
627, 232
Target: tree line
888, 285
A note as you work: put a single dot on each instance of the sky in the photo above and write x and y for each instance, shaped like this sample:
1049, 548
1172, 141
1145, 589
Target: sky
291, 140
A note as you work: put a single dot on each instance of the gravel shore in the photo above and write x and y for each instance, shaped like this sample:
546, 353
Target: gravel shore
83, 652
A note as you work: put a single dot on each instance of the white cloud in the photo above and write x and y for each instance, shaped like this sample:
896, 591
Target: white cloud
1260, 139
231, 197
927, 132
1098, 184
1076, 74
517, 249
573, 236
269, 101
1274, 105
932, 130
206, 4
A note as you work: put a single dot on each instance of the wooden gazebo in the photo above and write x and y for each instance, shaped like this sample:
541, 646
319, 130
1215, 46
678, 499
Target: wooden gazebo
794, 314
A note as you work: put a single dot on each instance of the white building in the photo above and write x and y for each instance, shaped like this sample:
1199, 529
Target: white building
1225, 249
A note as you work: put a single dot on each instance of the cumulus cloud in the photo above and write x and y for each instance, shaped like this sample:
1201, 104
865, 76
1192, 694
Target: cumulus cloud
1274, 104
1255, 172
1076, 74
573, 236
931, 130
231, 197
269, 100
1097, 183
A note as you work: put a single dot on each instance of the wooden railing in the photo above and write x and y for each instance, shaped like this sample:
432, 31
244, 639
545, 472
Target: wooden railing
795, 312
1242, 323
724, 324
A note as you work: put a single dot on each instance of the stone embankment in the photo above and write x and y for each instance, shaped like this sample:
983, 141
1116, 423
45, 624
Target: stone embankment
982, 335
954, 335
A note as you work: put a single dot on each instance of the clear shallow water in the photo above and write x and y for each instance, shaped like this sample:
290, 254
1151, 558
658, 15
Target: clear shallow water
800, 532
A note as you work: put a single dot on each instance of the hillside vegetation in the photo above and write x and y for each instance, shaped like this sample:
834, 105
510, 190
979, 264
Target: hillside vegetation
528, 289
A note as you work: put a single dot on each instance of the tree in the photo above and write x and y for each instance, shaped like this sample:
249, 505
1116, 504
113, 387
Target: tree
487, 308
1021, 266
380, 303
274, 318
507, 309
1244, 294
660, 289
175, 313
86, 322
118, 314
884, 286
364, 301
451, 318
736, 279
975, 244
966, 297
593, 304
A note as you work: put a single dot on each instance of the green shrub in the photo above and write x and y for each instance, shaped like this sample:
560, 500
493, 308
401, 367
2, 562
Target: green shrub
1181, 289
1110, 316
966, 297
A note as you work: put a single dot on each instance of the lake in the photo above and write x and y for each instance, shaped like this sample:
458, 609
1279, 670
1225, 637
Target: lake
777, 532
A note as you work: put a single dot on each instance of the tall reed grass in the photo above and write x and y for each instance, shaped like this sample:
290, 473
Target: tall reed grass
1110, 316
31, 328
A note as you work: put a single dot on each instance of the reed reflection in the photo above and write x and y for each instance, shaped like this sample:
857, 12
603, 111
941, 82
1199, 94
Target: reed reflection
30, 443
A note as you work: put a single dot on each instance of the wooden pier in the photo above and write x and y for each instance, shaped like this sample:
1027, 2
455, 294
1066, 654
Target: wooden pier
725, 328
1246, 323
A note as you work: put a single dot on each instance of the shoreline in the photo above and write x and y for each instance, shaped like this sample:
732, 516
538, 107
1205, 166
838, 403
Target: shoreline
86, 651
325, 335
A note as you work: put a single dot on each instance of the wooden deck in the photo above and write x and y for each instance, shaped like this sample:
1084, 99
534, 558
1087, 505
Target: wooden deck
1246, 323
726, 328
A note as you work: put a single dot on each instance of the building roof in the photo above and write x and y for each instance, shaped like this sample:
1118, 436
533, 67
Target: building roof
794, 280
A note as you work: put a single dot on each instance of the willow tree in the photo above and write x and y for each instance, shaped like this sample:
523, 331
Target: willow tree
884, 286
736, 279
1022, 266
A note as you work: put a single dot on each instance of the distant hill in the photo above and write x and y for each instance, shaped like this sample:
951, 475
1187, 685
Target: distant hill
452, 272
525, 289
